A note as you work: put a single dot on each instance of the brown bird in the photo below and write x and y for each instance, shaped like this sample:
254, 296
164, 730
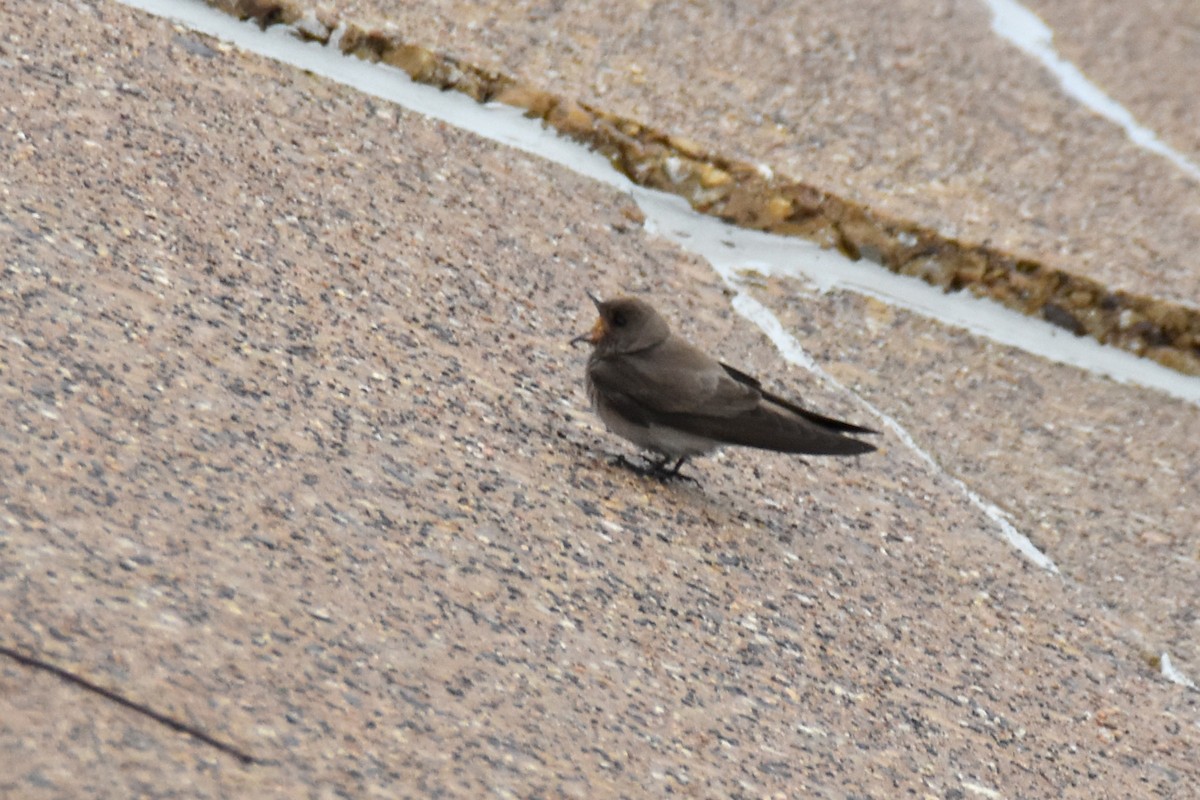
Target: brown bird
664, 395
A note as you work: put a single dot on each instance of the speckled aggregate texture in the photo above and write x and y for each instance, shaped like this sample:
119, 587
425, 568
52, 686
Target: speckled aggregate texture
1141, 55
1099, 475
912, 108
294, 449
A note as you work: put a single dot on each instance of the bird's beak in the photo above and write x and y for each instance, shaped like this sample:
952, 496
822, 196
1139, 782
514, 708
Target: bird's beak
598, 330
594, 335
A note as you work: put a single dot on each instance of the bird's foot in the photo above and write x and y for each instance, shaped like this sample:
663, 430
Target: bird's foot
656, 469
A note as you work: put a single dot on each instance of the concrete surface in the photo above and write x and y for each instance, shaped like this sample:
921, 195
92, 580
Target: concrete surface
295, 450
1100, 476
905, 131
1141, 55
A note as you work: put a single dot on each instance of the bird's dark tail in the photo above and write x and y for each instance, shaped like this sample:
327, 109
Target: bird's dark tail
769, 428
829, 423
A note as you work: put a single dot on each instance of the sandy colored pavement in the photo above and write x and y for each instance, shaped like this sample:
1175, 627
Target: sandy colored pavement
950, 140
1140, 54
294, 450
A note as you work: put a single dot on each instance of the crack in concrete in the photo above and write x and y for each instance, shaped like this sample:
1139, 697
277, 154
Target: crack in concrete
196, 733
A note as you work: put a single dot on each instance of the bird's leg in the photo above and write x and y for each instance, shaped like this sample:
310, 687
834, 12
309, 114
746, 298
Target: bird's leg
655, 469
660, 470
676, 474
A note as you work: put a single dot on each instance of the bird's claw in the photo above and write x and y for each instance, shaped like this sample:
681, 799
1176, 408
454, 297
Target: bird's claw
655, 469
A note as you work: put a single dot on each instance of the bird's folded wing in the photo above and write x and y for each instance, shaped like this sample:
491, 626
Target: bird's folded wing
682, 393
674, 378
762, 427
812, 416
769, 429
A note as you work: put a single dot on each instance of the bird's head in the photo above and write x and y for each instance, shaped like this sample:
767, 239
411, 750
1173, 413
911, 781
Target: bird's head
625, 325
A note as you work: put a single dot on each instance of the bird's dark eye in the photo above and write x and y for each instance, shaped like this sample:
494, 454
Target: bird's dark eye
618, 319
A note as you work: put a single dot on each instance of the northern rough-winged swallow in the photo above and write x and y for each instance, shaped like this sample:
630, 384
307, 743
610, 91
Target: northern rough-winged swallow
664, 395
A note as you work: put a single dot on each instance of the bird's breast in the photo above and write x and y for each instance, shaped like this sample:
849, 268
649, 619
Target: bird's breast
660, 438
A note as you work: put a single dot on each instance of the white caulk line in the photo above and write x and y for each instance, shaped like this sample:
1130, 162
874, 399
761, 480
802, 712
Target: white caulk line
791, 350
495, 121
734, 250
1026, 30
1174, 675
725, 246
509, 126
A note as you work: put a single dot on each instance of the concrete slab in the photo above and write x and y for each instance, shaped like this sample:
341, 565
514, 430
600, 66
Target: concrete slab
906, 132
1097, 474
1141, 55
